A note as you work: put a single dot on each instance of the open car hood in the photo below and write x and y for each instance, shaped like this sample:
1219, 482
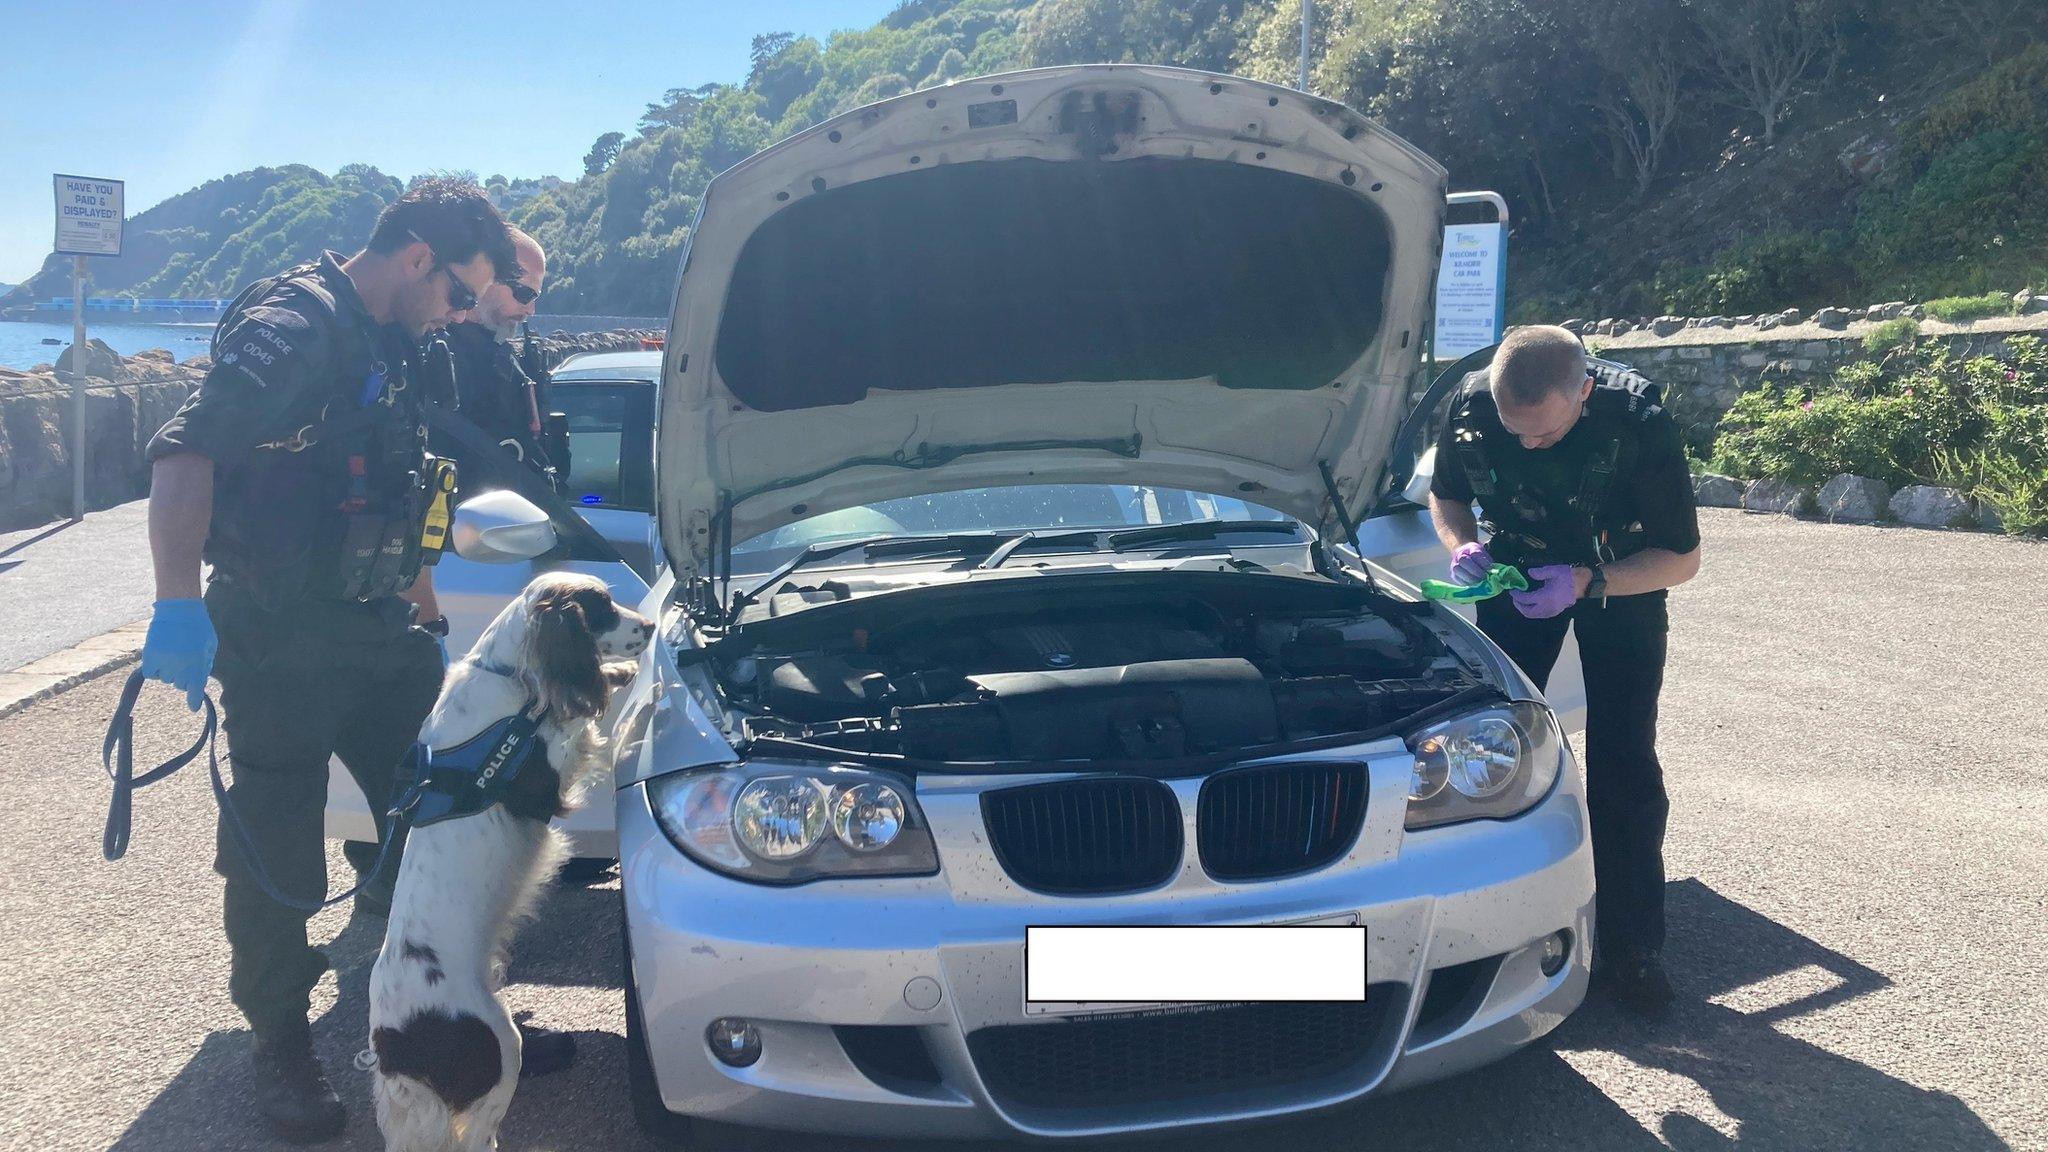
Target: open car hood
1097, 274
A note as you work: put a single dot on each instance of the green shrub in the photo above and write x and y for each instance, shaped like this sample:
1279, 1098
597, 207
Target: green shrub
1961, 309
1891, 334
1921, 415
1763, 274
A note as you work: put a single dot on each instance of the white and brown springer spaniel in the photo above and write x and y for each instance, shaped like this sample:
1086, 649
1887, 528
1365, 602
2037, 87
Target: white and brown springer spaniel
447, 1051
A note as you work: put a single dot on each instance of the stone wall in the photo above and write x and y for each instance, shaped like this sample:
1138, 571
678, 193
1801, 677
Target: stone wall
127, 400
1703, 369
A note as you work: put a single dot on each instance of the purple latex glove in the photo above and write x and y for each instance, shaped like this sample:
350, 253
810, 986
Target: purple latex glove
1552, 589
1471, 563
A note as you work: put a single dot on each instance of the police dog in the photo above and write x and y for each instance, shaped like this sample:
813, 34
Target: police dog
447, 1051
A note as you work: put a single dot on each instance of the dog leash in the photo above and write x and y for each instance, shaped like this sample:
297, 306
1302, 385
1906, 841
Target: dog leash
117, 756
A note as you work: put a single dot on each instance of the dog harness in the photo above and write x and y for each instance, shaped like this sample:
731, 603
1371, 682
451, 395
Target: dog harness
471, 777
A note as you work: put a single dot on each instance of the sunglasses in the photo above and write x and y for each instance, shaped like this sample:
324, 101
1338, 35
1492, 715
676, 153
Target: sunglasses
523, 293
460, 297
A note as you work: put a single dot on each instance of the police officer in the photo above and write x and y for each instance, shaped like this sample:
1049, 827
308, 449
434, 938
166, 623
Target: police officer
494, 390
1583, 482
298, 470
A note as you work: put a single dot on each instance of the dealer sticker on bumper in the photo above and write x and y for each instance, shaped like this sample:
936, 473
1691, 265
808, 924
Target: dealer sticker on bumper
1079, 970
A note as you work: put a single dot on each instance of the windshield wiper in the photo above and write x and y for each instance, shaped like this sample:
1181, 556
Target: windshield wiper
876, 547
1196, 530
1034, 538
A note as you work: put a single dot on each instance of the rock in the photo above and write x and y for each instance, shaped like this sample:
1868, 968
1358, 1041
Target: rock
1575, 327
1770, 322
2022, 300
1620, 328
1717, 322
1894, 309
1711, 491
1856, 499
160, 355
1694, 321
1777, 496
1864, 157
1874, 313
1666, 325
2034, 306
1988, 518
100, 360
1926, 506
1915, 311
1832, 317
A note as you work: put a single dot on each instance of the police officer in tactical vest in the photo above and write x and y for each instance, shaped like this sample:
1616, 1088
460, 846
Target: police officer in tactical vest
298, 470
1582, 481
494, 389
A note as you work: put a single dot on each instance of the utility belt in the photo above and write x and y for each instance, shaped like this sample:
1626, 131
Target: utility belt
1523, 548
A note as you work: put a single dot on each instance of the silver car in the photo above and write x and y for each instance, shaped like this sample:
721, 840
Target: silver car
1035, 478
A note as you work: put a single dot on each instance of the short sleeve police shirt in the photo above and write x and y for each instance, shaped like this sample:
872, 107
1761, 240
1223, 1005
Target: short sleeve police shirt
271, 377
1655, 491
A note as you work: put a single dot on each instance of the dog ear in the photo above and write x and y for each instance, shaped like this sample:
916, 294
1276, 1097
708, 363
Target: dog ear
565, 658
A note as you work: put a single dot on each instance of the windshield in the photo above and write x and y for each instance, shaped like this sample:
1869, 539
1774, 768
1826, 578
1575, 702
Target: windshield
998, 510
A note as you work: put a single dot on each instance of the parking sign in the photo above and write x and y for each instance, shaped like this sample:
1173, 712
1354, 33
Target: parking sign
88, 216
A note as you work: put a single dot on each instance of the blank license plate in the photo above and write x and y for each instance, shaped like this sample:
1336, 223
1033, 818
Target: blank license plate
1083, 970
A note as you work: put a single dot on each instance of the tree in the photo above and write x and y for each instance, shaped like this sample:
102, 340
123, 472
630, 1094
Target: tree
1645, 64
1985, 28
1766, 51
602, 153
766, 47
677, 108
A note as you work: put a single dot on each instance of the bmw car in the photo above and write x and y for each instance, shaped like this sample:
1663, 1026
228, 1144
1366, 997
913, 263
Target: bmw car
1035, 494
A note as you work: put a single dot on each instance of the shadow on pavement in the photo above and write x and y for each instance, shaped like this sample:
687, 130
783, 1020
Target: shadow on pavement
1741, 1078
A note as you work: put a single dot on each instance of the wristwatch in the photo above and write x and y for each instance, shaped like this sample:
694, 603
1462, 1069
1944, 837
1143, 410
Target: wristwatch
1596, 588
438, 626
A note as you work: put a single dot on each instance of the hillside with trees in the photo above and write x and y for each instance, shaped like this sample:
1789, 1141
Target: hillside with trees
1659, 155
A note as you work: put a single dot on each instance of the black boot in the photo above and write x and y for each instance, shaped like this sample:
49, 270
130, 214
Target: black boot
292, 1093
544, 1050
1635, 979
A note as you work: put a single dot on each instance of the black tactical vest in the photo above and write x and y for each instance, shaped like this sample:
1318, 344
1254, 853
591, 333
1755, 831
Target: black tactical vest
336, 507
1544, 508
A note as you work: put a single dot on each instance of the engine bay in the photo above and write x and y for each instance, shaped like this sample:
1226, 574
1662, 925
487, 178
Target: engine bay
1097, 667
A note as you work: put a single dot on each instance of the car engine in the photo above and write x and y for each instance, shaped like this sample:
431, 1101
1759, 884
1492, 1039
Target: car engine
1144, 667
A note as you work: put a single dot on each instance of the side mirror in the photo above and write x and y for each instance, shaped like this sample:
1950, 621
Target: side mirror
1417, 491
501, 528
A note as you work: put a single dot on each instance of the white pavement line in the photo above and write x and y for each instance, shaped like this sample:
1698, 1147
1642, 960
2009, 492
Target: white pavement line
87, 660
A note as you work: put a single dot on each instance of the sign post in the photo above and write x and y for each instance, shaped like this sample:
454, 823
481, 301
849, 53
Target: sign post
89, 220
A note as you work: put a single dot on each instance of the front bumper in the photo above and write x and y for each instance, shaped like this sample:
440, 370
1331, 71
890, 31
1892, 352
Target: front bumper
895, 1007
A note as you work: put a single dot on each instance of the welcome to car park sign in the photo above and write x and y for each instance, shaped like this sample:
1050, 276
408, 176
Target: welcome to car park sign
89, 213
1471, 289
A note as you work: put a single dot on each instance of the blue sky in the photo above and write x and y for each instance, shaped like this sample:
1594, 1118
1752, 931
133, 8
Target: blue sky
168, 96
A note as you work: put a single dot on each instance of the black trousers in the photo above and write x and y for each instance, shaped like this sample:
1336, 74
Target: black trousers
1621, 649
299, 684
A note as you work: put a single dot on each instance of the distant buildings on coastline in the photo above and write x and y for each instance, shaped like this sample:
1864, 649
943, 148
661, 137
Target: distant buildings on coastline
140, 310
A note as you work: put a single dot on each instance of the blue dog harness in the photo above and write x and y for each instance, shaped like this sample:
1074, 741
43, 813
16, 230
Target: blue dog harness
471, 777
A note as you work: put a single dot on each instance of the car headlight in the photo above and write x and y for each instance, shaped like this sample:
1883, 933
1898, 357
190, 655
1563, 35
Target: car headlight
786, 824
1491, 764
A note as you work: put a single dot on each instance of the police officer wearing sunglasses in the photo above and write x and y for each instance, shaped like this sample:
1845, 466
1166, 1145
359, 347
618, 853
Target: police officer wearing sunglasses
494, 391
298, 470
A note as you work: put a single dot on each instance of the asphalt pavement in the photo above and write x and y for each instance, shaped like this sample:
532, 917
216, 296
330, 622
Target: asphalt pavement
67, 581
1853, 728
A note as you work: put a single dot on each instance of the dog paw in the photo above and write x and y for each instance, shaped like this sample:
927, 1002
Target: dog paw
621, 674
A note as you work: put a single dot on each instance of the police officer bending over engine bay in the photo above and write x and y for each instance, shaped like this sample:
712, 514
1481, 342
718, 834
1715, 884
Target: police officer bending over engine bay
495, 391
298, 470
1582, 475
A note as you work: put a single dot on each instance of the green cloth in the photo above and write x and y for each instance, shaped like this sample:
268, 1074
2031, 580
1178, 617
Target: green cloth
1499, 580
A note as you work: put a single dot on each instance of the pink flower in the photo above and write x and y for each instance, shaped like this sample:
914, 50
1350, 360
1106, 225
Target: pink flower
1806, 406
1909, 391
2012, 376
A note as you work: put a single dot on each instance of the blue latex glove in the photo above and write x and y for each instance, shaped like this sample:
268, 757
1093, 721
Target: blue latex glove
443, 642
1553, 589
1471, 563
180, 647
